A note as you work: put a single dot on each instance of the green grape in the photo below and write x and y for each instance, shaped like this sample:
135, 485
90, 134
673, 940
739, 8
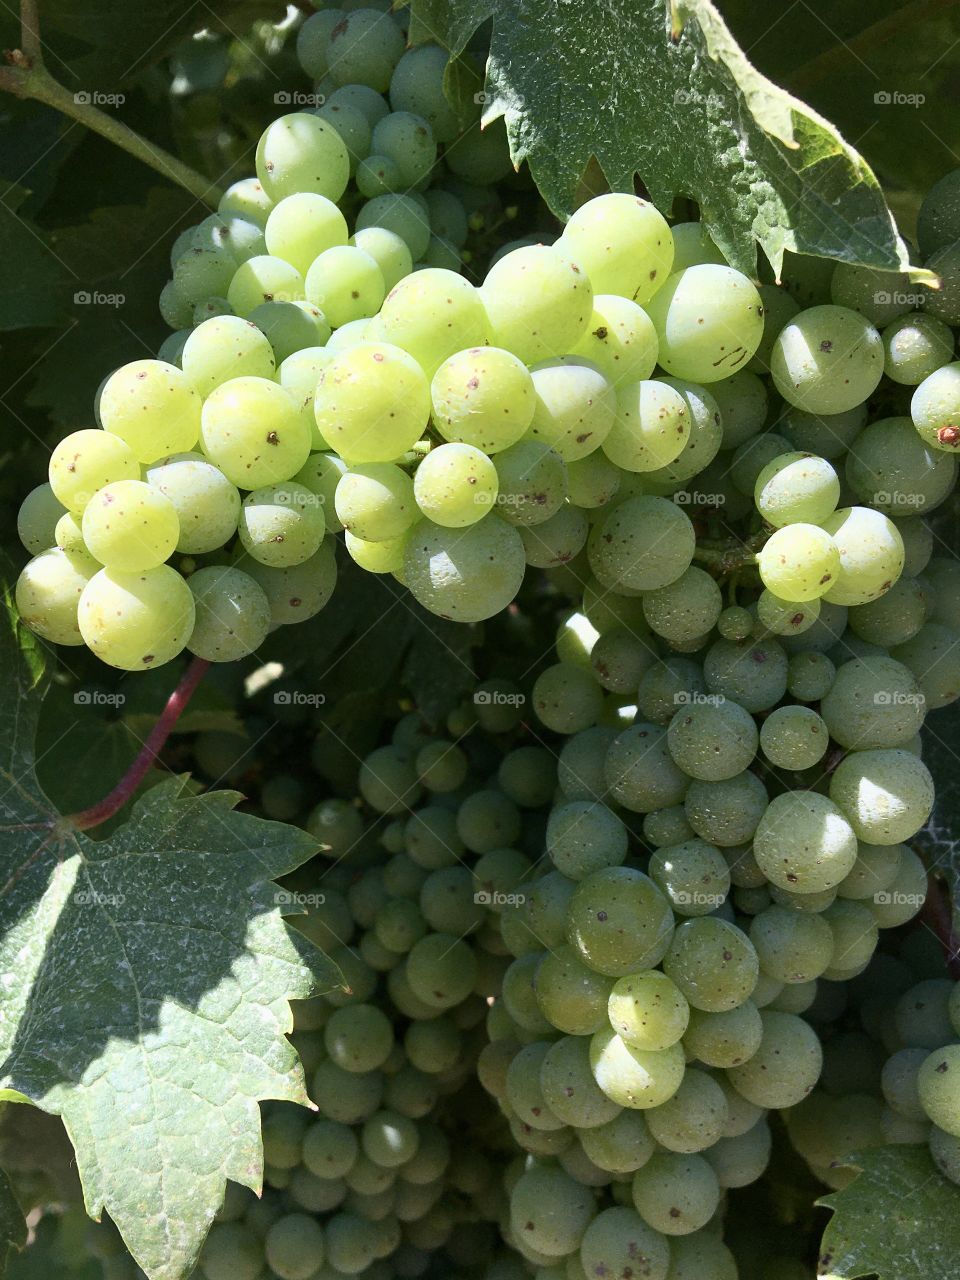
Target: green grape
726, 1038
753, 675
251, 430
550, 1211
583, 836
809, 676
827, 359
735, 623
176, 311
388, 250
709, 321
571, 996
739, 1161
922, 1014
792, 947
623, 243
917, 543
871, 554
372, 403
704, 440
555, 541
352, 125
441, 970
358, 1038
797, 487
668, 684
486, 821
703, 1256
899, 1081
483, 396
49, 590
726, 813
376, 502
750, 458
619, 1243
151, 406
400, 214
432, 1045
620, 340
935, 408
433, 314
346, 284
713, 963
619, 659
712, 740
377, 557
290, 326
879, 295
592, 481
937, 220
68, 534
794, 737
528, 776
544, 908
455, 485
202, 273
574, 406
378, 176
899, 614
665, 827
622, 1145
206, 504
693, 1119
312, 42
643, 543
942, 573
569, 1088
263, 278
786, 1066
891, 467
828, 435
398, 925
225, 347
539, 302
886, 795
464, 574
38, 516
301, 153
676, 1194
130, 526
389, 1139
647, 1011
779, 308
298, 375
875, 870
650, 429
855, 936
636, 1078
945, 1150
640, 771
693, 245
231, 1252
804, 842
388, 781
742, 401
619, 921
364, 46
693, 874
136, 621
232, 614
874, 702
441, 766
785, 617
321, 474
417, 85
915, 347
926, 654
802, 562
299, 592
532, 482
942, 302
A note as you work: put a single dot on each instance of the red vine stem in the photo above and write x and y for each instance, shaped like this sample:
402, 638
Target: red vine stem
125, 788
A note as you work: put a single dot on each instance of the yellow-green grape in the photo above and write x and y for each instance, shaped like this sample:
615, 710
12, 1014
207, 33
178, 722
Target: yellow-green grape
372, 403
620, 340
574, 406
290, 326
346, 284
464, 574
935, 408
483, 396
48, 592
264, 278
539, 302
532, 481
321, 474
650, 428
298, 375
281, 524
871, 555
693, 245
299, 152
232, 614
348, 335
226, 347
152, 406
388, 250
827, 359
377, 557
778, 308
253, 432
647, 1010
455, 485
703, 442
796, 487
623, 243
786, 617
376, 502
432, 314
800, 562
642, 544
300, 591
400, 214
136, 621
206, 503
301, 227
129, 525
709, 322
245, 199
37, 519
557, 540
636, 1078
68, 535
593, 481
914, 347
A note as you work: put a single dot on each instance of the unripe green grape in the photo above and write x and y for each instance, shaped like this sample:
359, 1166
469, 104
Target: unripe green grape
232, 614
640, 771
622, 1145
407, 139
618, 1242
802, 562
294, 1247
153, 407
642, 544
794, 737
231, 1252
593, 481
49, 590
570, 995
352, 125
455, 485
582, 837
574, 406
791, 946
650, 428
176, 311
201, 273
805, 843
704, 440
281, 525
417, 84
899, 614
926, 655
532, 480
568, 1086
809, 676
935, 408
619, 921
372, 403
879, 295
377, 176
358, 1038
827, 360
539, 302
693, 246
742, 401
726, 813
855, 935
68, 534
290, 326
937, 1088
252, 431
713, 963
301, 153
666, 827
365, 46
778, 309
400, 214
709, 322
693, 874
38, 517
915, 346
298, 592
739, 1161
388, 250
785, 1067
264, 278
555, 541
873, 702
726, 1038
828, 435
376, 502
676, 1194
620, 340
550, 1211
668, 684
566, 699
619, 658
703, 1256
635, 1078
712, 740
796, 487
441, 970
886, 795
623, 243
136, 621
466, 574
647, 1010
943, 301
441, 766
226, 347
754, 674
346, 284
206, 503
785, 617
891, 466
693, 1119
483, 396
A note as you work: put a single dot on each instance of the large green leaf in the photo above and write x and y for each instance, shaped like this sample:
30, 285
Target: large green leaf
899, 1219
145, 982
671, 96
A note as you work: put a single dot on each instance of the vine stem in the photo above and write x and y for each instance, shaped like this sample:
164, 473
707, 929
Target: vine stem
938, 917
122, 792
26, 76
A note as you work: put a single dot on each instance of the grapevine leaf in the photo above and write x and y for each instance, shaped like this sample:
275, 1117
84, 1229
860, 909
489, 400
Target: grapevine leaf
35, 292
671, 96
898, 1220
145, 981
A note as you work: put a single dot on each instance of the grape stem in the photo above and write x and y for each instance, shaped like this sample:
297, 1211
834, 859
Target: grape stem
26, 76
732, 554
114, 801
